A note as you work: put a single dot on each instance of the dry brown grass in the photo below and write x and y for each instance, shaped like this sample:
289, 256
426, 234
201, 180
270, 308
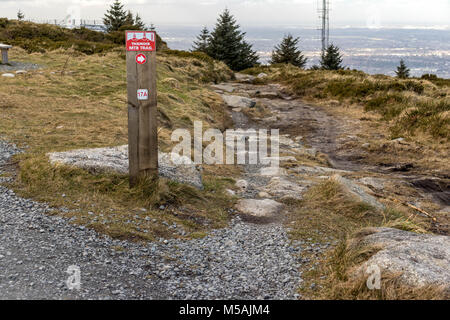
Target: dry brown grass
85, 107
327, 214
343, 281
327, 210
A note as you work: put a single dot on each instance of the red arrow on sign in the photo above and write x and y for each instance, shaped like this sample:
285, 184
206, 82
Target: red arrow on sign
141, 58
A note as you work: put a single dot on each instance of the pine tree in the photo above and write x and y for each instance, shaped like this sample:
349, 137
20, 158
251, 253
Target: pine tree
129, 21
115, 17
138, 23
202, 42
228, 45
287, 52
247, 58
402, 70
331, 59
20, 15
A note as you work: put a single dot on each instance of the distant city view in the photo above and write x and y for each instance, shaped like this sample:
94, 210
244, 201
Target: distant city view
372, 50
375, 51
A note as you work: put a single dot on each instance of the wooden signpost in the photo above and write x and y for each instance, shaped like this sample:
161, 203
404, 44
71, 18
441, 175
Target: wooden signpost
4, 48
142, 105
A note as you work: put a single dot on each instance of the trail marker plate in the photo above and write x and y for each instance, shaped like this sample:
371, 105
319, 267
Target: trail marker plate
142, 94
141, 40
141, 58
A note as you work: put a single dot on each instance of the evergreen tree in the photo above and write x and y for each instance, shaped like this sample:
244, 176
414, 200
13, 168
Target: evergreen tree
287, 52
129, 21
115, 17
138, 23
228, 45
247, 57
331, 59
202, 42
20, 15
402, 70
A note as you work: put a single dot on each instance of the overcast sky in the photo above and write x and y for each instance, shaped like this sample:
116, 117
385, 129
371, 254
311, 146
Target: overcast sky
356, 13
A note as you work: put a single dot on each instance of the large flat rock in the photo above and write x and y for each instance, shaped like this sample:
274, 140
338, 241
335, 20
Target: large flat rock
223, 87
423, 259
115, 159
282, 188
266, 208
238, 101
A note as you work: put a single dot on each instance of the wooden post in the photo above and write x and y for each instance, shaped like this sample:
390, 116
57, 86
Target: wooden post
4, 48
142, 105
4, 56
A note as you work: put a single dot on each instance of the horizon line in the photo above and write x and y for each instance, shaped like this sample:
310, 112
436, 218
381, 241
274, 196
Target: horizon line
437, 27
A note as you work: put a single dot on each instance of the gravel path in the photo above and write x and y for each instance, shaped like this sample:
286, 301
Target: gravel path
244, 261
14, 66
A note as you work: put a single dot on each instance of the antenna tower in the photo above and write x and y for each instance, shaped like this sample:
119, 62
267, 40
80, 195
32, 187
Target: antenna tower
324, 14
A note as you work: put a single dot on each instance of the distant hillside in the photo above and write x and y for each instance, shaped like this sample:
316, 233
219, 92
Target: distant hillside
44, 37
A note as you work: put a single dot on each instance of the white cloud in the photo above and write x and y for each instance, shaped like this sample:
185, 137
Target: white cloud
249, 12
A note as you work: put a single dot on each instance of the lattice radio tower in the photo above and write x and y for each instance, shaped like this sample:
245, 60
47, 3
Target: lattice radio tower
324, 14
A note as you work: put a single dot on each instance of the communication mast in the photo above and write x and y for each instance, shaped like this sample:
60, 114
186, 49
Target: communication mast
324, 14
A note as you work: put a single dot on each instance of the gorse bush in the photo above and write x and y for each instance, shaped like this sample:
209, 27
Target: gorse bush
432, 117
348, 88
3, 22
212, 70
186, 54
44, 37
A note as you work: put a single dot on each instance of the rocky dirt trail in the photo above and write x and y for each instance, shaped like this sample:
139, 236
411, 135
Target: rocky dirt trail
251, 259
310, 130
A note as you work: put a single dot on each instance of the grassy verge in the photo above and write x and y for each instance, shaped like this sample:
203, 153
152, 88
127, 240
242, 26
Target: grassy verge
79, 101
328, 215
344, 283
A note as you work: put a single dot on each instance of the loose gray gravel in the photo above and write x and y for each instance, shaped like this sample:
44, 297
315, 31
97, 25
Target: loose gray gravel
243, 261
15, 65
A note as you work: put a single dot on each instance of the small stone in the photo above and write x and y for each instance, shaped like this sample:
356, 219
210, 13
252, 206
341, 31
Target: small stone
263, 195
242, 184
230, 192
273, 171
